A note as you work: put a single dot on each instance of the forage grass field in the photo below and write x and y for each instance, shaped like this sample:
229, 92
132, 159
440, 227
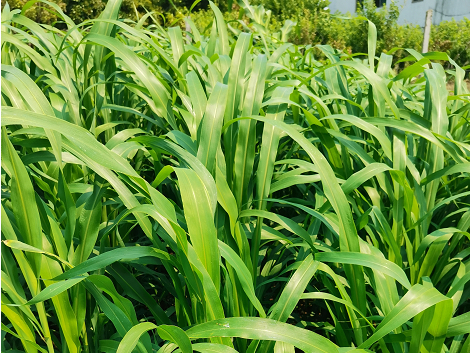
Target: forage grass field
169, 190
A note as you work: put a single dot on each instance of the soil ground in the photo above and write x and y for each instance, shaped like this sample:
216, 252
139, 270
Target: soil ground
450, 86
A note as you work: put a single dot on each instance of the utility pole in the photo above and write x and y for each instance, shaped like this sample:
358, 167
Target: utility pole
427, 30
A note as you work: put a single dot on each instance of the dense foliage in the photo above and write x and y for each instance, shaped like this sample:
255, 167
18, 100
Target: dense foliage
169, 191
81, 10
313, 23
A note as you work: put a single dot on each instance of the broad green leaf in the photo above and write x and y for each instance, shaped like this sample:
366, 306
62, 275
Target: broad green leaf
263, 329
109, 257
417, 299
176, 335
246, 134
243, 273
212, 348
53, 290
23, 201
291, 294
211, 127
372, 261
200, 221
135, 290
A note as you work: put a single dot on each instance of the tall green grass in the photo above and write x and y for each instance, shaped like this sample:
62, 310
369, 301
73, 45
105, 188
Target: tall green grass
166, 191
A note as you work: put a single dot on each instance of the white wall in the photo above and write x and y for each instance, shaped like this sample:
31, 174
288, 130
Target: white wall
415, 12
343, 6
448, 9
443, 10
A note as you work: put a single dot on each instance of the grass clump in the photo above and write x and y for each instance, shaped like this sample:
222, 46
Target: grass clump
167, 190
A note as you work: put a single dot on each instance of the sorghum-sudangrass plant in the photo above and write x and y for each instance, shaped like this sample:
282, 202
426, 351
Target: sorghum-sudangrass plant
166, 191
